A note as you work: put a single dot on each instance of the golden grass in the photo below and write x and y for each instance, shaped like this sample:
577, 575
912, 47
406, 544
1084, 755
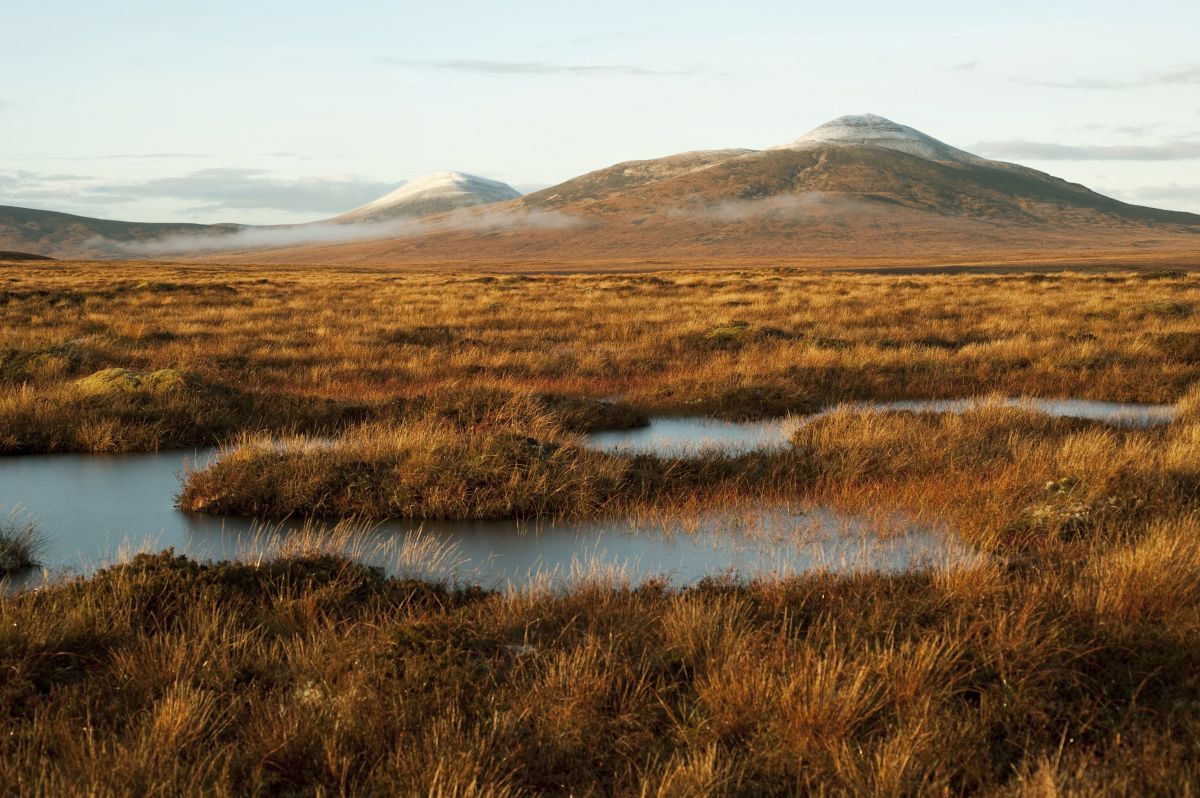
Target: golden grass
307, 672
510, 467
314, 349
1063, 662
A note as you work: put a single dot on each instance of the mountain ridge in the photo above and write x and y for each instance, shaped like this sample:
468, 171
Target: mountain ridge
856, 186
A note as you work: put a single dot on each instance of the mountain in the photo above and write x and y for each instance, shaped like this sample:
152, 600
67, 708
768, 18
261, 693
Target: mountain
866, 163
434, 193
858, 186
875, 131
64, 235
8, 255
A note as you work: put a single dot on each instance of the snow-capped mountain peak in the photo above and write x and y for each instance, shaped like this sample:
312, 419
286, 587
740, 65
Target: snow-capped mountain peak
876, 131
434, 193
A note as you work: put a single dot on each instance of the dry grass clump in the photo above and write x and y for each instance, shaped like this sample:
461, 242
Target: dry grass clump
471, 405
1187, 409
511, 465
1155, 577
121, 410
21, 545
1010, 479
417, 470
42, 364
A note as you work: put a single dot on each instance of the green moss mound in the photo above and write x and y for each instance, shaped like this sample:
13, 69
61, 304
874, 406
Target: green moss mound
117, 381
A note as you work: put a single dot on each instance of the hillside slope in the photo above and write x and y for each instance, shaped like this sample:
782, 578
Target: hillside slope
858, 187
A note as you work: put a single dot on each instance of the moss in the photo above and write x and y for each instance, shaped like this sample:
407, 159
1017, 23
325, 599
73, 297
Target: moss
21, 365
117, 381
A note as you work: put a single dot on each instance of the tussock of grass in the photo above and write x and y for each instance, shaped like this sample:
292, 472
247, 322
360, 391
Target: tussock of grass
1180, 345
58, 361
513, 466
471, 405
1156, 578
120, 410
1011, 480
1187, 410
20, 545
420, 470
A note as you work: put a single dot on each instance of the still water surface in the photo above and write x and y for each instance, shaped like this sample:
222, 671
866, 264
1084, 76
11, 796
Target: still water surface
94, 508
680, 436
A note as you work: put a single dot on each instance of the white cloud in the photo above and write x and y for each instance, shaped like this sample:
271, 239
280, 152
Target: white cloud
1179, 150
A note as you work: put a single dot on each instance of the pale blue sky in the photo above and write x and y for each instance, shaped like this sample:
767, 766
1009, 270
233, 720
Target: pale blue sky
287, 111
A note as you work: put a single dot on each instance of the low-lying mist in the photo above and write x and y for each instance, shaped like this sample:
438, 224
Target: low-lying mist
330, 232
784, 207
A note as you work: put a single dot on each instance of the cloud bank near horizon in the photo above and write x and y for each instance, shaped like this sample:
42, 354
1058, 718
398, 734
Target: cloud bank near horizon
220, 189
1181, 75
532, 68
1178, 150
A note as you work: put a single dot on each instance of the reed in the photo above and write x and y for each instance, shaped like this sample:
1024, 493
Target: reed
21, 544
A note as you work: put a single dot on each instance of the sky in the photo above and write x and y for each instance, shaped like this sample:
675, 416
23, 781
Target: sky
275, 112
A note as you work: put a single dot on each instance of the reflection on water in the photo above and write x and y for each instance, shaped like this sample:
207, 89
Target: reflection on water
1121, 414
680, 436
93, 508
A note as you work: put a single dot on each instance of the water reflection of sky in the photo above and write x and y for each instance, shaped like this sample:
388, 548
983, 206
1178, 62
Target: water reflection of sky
93, 508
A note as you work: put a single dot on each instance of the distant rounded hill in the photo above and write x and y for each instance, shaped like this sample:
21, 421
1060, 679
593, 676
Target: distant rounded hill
439, 192
854, 168
855, 187
21, 256
70, 236
65, 235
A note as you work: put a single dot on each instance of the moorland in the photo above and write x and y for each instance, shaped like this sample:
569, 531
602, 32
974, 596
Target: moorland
1061, 660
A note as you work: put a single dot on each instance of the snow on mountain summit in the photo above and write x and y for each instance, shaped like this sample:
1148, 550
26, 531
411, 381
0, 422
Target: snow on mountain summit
433, 193
876, 131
